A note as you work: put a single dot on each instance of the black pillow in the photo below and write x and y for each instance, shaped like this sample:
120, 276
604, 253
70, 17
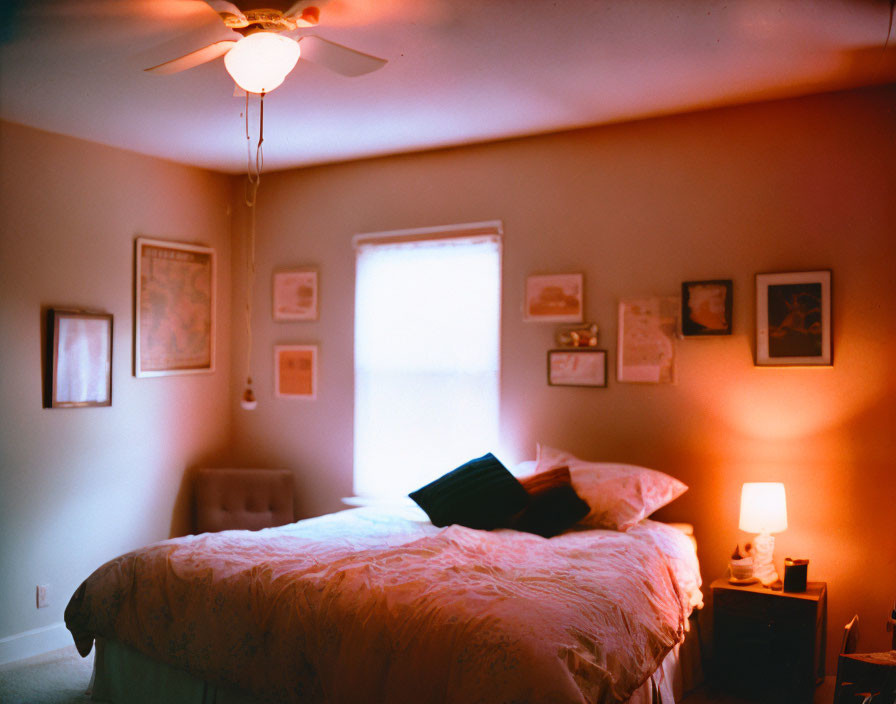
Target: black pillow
552, 511
479, 494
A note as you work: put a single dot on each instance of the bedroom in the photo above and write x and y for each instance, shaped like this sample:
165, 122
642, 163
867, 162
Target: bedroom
794, 184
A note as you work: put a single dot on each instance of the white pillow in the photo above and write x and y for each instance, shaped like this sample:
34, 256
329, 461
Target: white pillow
620, 495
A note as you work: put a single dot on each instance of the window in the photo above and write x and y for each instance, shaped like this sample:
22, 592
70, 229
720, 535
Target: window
427, 330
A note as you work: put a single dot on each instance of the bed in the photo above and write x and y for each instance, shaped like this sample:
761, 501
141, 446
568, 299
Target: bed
380, 605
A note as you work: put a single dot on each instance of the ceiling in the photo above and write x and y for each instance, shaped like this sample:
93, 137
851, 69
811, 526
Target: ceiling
458, 72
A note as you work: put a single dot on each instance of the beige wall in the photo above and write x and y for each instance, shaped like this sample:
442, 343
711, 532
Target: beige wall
795, 185
80, 486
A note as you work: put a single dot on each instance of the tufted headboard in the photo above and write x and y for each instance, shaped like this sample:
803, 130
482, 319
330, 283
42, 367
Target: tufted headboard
242, 499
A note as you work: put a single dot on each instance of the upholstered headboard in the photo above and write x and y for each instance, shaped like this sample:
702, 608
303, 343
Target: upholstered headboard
242, 499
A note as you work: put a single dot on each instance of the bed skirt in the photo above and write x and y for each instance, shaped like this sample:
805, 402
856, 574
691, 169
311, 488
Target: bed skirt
122, 675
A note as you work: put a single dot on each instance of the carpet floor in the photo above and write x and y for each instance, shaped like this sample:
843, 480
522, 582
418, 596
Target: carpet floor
58, 677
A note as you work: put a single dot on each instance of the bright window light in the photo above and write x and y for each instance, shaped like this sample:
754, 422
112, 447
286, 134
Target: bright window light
427, 327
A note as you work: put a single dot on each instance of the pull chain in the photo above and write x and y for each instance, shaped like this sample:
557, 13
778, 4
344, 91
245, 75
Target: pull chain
253, 180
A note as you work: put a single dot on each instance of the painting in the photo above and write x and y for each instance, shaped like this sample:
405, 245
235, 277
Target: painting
646, 343
793, 319
174, 324
79, 359
577, 367
555, 298
706, 307
295, 295
295, 371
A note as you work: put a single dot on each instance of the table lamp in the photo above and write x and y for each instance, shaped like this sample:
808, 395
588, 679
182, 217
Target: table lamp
763, 510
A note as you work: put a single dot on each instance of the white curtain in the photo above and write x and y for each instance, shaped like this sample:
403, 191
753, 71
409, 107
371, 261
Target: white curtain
427, 330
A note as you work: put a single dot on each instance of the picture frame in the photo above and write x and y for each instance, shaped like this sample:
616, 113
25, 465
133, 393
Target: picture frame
646, 340
295, 295
295, 371
554, 298
706, 307
583, 366
174, 302
79, 359
793, 319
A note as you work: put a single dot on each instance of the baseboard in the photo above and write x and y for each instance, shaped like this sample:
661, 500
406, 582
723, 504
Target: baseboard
34, 642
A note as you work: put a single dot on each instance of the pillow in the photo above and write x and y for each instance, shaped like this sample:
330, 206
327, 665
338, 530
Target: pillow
620, 495
553, 506
479, 494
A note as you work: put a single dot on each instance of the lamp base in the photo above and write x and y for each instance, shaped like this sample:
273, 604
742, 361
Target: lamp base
763, 559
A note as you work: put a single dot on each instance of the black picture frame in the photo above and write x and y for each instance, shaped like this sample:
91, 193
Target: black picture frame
577, 366
706, 307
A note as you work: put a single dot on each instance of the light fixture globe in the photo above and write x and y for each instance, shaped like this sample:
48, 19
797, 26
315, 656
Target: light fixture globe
259, 62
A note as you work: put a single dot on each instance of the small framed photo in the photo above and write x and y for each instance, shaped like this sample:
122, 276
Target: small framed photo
295, 295
577, 367
555, 298
79, 359
793, 319
295, 371
174, 292
706, 307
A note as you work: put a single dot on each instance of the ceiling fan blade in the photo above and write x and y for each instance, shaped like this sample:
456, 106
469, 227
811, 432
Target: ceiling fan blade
222, 7
338, 58
194, 58
298, 8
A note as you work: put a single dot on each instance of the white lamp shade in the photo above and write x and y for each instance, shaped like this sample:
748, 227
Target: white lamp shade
259, 63
763, 507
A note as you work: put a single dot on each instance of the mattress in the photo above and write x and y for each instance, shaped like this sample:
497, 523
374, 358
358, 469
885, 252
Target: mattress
367, 605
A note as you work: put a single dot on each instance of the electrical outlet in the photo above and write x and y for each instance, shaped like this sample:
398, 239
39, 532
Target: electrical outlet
43, 596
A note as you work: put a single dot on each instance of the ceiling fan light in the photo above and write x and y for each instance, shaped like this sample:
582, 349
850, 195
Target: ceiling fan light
259, 62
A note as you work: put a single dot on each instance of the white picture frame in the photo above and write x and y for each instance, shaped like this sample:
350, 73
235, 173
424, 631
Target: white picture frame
295, 295
793, 319
554, 298
295, 371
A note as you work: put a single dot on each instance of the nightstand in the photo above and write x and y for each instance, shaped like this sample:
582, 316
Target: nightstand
768, 645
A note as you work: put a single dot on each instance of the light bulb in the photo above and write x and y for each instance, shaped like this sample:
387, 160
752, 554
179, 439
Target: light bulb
248, 401
259, 63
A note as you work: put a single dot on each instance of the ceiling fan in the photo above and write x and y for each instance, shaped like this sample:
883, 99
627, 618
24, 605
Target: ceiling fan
262, 47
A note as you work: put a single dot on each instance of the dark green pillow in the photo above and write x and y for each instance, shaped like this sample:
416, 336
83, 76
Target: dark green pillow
479, 494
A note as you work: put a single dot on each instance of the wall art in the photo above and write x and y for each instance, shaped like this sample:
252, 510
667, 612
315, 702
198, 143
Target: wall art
555, 298
706, 307
646, 344
295, 295
793, 319
295, 371
174, 325
79, 359
577, 367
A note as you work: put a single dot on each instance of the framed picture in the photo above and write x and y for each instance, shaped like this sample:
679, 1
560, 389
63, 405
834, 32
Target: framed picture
555, 298
577, 367
174, 324
646, 344
793, 319
706, 307
295, 295
79, 359
295, 371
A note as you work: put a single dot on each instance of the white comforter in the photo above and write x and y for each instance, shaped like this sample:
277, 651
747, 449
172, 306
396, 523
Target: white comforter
362, 606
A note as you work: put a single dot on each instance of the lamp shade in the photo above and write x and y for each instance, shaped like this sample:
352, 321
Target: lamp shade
259, 63
763, 507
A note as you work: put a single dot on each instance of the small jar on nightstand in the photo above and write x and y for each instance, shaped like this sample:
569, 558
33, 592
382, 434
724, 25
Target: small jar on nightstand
768, 645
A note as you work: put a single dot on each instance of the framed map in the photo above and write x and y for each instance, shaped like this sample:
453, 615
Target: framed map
174, 325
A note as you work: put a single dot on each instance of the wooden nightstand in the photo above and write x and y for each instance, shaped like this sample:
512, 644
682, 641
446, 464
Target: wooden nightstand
768, 645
